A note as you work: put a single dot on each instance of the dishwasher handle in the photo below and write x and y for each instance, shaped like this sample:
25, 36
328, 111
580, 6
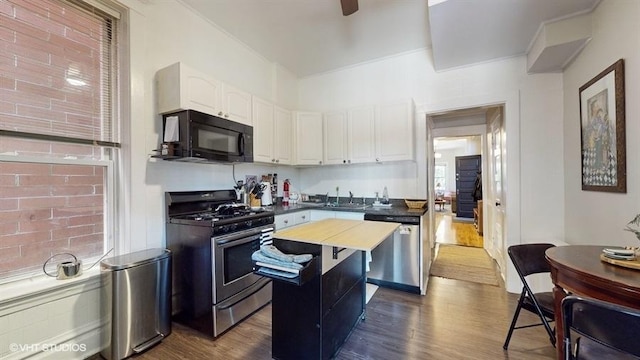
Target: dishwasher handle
410, 220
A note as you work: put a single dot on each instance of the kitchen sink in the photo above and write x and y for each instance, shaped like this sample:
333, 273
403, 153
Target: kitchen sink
347, 206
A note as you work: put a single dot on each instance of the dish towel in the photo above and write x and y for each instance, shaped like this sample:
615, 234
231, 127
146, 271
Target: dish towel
259, 256
273, 252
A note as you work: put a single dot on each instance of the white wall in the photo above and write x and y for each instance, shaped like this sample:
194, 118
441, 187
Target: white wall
599, 217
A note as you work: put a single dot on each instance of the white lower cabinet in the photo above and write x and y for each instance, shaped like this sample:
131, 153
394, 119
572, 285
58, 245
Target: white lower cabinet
349, 215
322, 214
331, 214
284, 221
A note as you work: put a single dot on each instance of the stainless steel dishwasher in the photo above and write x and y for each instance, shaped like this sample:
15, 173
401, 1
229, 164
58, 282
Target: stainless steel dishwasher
137, 302
395, 263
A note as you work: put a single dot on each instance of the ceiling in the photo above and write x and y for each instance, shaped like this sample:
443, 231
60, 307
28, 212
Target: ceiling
311, 36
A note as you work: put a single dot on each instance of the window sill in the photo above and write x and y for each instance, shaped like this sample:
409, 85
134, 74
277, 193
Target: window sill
29, 288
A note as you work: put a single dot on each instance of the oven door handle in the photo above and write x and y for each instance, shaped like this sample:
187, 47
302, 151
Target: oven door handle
226, 243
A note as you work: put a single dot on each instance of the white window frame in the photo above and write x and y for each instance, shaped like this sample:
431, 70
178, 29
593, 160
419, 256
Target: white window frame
115, 168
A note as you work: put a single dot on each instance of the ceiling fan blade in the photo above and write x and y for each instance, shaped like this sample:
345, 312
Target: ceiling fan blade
349, 7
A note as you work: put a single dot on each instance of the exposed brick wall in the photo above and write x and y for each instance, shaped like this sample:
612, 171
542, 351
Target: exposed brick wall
43, 44
50, 208
47, 209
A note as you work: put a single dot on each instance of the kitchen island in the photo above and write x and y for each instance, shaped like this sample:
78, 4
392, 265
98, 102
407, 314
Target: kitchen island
313, 314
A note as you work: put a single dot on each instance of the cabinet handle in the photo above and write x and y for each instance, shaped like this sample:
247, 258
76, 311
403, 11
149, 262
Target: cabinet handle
226, 115
277, 160
304, 217
219, 113
320, 162
377, 159
349, 161
286, 221
273, 160
344, 161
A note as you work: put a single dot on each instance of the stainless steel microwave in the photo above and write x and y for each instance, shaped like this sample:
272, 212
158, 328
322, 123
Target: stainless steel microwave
197, 136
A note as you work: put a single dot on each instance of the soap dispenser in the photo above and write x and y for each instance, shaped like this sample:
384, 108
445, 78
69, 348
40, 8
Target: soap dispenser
385, 196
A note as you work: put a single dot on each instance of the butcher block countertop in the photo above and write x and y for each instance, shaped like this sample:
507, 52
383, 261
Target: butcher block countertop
351, 234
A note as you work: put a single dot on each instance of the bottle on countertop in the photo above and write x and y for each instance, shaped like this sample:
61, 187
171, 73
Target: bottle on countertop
385, 196
285, 192
274, 187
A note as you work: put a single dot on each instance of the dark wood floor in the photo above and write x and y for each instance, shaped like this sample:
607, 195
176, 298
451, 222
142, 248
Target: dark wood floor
455, 320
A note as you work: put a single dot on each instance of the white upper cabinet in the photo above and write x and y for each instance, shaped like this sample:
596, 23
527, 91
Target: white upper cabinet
360, 135
272, 128
236, 105
335, 139
349, 136
283, 136
308, 138
394, 132
180, 87
263, 131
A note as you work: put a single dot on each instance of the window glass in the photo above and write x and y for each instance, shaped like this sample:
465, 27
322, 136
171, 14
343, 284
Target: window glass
440, 179
58, 133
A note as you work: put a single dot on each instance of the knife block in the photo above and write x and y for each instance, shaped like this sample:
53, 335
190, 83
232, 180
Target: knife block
254, 201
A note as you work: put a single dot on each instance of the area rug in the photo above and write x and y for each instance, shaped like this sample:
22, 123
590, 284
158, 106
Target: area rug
464, 263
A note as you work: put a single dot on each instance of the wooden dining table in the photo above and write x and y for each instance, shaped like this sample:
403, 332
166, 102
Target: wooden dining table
578, 270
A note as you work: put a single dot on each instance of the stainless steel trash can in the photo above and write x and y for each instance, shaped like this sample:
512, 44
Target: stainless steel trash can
137, 302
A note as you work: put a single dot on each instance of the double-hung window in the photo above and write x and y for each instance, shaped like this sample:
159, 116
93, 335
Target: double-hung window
59, 133
440, 178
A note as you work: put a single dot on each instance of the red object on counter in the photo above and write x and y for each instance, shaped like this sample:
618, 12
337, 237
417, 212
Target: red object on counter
285, 192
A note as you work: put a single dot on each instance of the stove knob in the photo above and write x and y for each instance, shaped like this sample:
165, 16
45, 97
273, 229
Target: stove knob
233, 227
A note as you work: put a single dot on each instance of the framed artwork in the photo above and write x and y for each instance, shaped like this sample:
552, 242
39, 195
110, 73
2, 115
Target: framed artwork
602, 131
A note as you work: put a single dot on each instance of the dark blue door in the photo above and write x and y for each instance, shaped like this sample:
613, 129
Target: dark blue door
467, 170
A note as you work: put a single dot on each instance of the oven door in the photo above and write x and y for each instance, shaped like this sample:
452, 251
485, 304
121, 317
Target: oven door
232, 265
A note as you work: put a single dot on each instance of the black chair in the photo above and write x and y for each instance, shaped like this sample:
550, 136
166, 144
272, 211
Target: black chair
529, 259
604, 330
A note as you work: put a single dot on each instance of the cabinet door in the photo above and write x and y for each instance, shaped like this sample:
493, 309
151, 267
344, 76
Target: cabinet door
308, 137
316, 215
349, 215
263, 131
180, 87
236, 105
301, 217
361, 139
284, 221
282, 147
335, 139
394, 132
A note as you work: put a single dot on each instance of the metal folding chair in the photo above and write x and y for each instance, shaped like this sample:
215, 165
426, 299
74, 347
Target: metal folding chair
529, 259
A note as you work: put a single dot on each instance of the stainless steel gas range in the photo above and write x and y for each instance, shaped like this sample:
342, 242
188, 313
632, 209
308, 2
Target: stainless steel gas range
212, 240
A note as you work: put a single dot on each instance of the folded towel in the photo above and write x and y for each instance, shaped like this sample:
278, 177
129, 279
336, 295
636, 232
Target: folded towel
268, 271
273, 252
302, 258
259, 256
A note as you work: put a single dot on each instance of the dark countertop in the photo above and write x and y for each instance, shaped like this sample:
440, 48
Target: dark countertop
398, 209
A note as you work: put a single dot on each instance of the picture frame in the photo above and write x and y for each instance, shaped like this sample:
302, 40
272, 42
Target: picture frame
602, 131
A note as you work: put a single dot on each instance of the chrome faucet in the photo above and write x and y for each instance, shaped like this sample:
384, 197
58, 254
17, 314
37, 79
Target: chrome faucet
350, 197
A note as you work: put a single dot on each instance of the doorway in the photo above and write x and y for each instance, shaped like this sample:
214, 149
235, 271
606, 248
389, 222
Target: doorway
461, 124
